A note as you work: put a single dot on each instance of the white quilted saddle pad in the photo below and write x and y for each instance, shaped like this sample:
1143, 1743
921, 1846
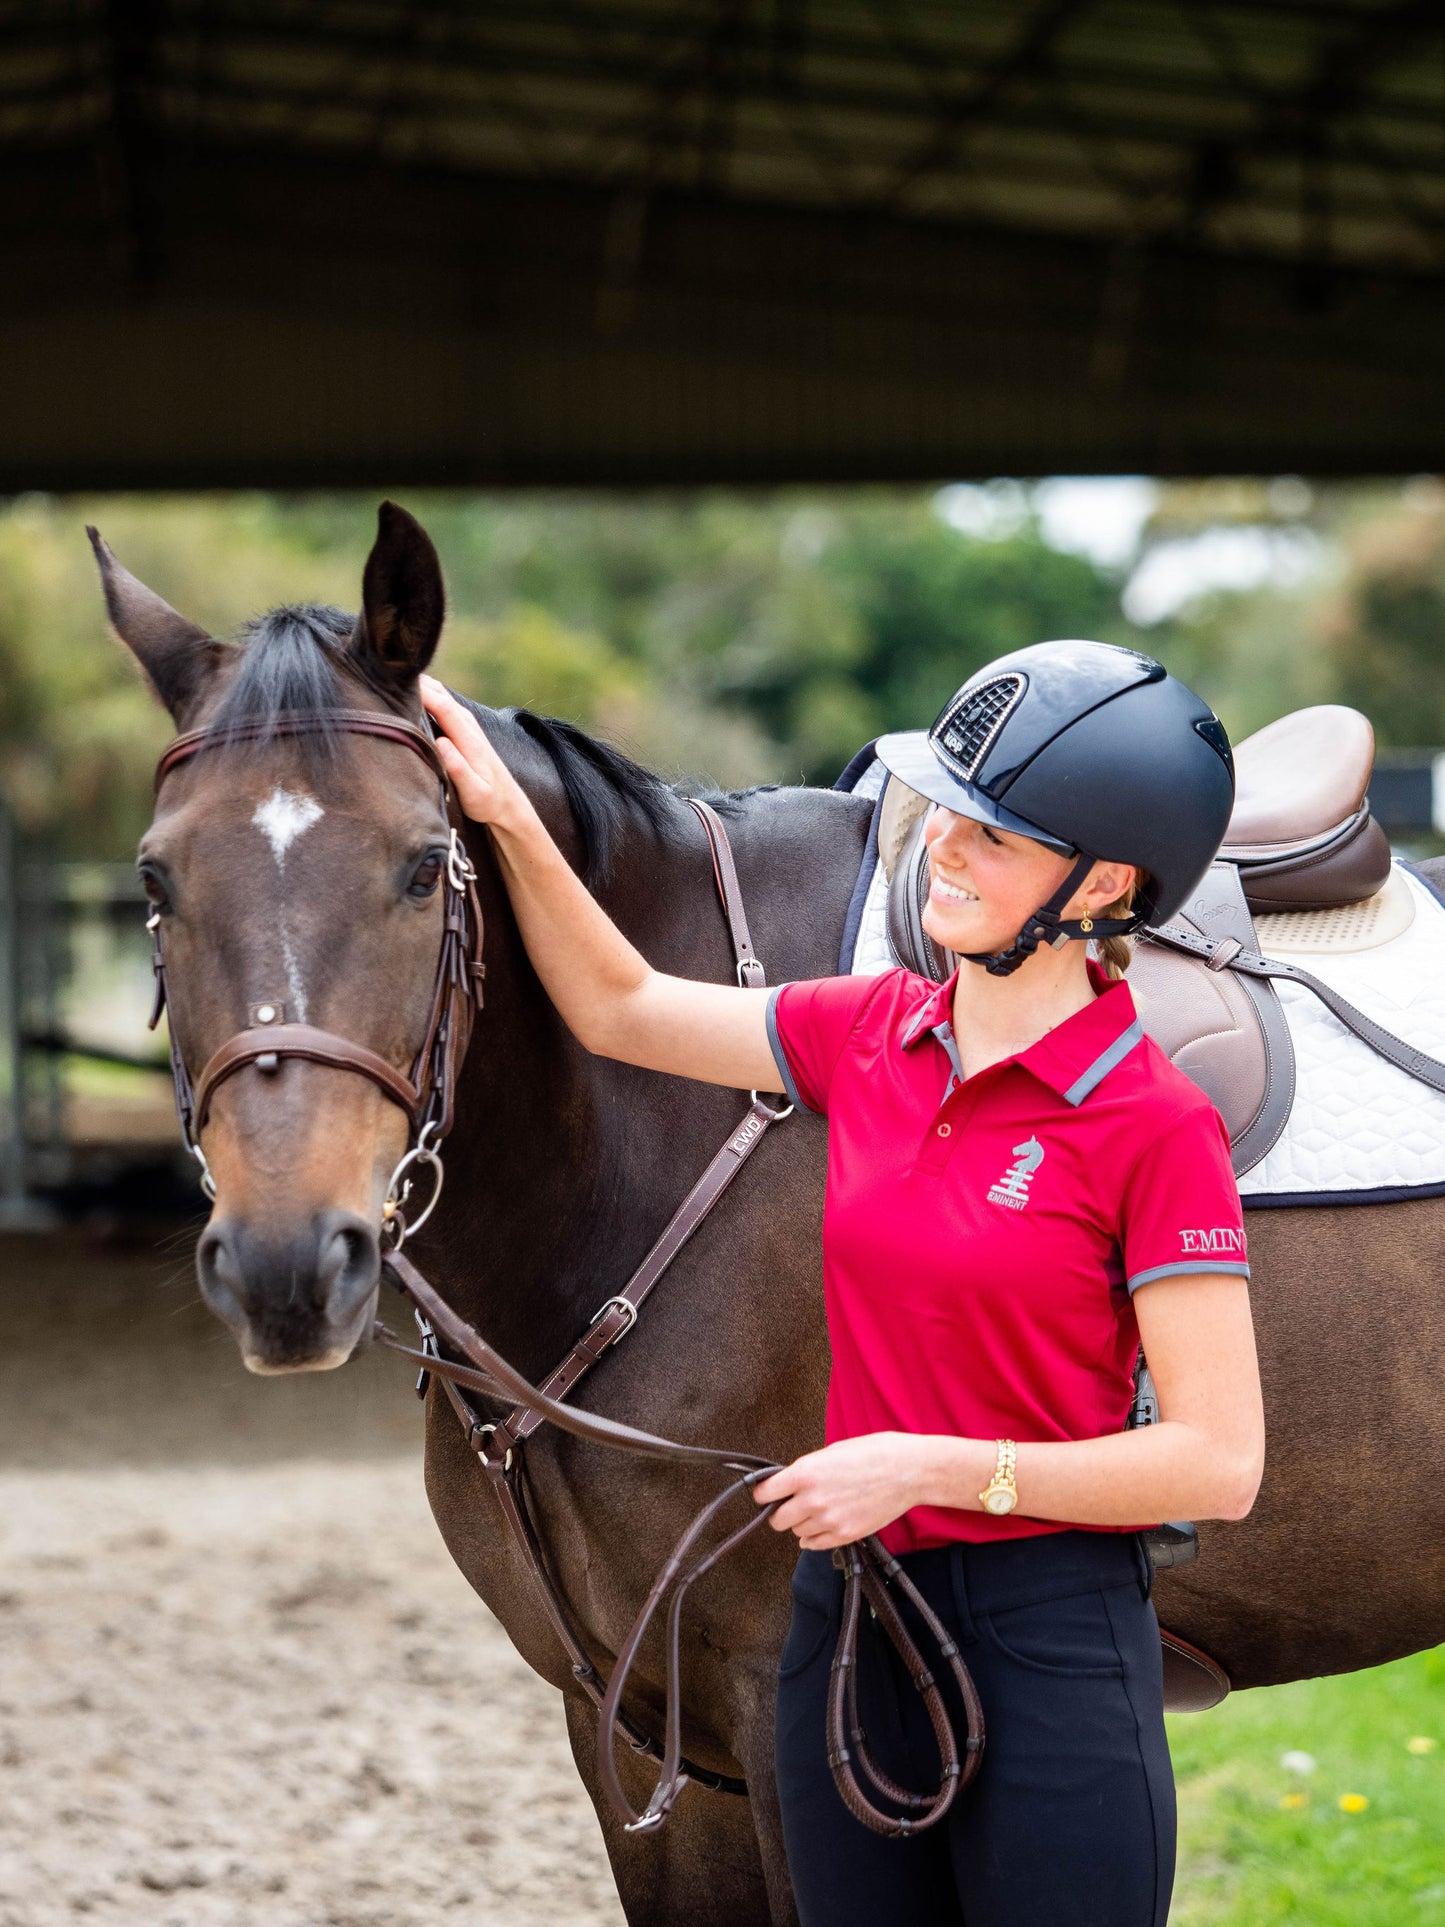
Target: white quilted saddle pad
1359, 1126
1360, 1129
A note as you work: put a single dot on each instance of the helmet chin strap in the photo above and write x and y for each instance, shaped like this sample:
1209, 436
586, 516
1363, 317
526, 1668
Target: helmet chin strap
1047, 926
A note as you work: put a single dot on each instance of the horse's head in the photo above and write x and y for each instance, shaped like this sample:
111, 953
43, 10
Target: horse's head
299, 879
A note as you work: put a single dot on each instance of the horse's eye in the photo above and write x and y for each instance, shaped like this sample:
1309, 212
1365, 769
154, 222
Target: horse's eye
155, 892
428, 876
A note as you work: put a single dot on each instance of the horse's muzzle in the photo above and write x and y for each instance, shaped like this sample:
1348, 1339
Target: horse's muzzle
298, 1296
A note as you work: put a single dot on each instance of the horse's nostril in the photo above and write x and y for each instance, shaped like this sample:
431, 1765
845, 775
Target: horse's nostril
220, 1273
349, 1264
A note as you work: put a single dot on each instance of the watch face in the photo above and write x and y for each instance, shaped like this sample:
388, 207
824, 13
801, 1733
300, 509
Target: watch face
999, 1501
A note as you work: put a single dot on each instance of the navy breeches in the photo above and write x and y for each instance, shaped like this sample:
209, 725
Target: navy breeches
1070, 1820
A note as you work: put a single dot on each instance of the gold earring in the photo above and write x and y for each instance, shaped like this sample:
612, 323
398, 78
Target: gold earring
1086, 923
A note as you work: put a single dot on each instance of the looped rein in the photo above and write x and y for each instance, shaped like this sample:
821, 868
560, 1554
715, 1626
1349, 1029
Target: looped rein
868, 1567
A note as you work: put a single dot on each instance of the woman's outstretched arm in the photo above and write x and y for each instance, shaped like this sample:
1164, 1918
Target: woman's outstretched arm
609, 996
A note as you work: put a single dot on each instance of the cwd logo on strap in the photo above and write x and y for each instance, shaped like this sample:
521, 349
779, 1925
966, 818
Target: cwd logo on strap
1012, 1189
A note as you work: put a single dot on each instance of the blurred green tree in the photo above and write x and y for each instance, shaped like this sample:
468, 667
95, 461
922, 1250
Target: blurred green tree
1383, 629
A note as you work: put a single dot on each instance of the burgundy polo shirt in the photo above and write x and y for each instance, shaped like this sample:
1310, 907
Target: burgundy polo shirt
983, 1237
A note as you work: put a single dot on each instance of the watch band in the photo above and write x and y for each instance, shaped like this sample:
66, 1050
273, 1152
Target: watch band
1001, 1494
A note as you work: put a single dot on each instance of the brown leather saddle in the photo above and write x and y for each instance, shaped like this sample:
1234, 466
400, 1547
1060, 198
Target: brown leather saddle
1301, 838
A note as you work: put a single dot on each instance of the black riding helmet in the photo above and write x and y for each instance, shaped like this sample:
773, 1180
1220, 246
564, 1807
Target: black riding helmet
1095, 752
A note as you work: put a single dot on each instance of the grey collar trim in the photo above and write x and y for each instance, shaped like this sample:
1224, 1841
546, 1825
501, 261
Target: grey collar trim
1104, 1063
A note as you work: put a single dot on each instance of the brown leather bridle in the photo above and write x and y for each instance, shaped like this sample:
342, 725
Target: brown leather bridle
426, 1091
426, 1094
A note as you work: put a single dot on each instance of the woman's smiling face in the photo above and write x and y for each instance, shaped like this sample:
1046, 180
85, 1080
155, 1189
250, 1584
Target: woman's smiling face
986, 883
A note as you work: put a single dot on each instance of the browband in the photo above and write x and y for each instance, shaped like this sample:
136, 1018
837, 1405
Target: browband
350, 722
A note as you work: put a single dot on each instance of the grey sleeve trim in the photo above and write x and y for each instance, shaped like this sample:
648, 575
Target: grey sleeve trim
779, 1057
1236, 1267
1105, 1062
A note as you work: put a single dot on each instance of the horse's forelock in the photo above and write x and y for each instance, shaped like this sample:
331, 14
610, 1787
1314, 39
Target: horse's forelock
291, 661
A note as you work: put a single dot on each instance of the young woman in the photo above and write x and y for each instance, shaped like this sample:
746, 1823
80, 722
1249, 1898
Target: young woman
1021, 1187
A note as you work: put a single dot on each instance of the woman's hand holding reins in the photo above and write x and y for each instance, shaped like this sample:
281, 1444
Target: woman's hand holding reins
850, 1489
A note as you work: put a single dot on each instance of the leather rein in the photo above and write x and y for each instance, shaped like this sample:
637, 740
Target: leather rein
426, 1094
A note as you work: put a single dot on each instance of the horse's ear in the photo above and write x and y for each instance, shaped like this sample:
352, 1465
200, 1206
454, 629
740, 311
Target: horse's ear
178, 657
403, 601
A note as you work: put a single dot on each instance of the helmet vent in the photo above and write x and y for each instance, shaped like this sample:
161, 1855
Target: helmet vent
962, 736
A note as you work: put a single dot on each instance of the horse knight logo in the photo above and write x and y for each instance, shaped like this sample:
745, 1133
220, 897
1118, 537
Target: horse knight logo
1012, 1189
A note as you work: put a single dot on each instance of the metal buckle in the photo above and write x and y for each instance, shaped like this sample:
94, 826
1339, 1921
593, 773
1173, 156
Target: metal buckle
776, 1116
460, 870
479, 1432
208, 1183
602, 1310
744, 965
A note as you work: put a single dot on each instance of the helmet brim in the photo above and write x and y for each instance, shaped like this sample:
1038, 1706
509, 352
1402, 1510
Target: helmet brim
908, 755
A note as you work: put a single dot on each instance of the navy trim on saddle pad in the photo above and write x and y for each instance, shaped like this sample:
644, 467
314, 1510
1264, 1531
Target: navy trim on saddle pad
1405, 864
858, 768
1383, 1194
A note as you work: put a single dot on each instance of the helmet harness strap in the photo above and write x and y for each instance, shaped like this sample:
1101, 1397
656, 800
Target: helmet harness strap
1047, 926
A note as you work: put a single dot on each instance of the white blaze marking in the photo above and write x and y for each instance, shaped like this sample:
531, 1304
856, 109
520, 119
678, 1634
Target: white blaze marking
283, 817
293, 975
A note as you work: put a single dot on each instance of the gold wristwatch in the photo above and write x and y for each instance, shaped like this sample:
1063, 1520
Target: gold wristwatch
1001, 1495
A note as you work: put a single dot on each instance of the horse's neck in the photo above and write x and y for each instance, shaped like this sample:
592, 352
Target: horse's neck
559, 1159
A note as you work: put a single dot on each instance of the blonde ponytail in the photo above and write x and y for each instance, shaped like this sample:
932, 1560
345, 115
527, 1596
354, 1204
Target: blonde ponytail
1116, 953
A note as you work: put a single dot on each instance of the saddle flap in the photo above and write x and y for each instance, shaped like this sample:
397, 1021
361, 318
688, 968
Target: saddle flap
1204, 1021
1224, 1029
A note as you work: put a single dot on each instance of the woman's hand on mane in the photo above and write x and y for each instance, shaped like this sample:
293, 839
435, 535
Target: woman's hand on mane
485, 787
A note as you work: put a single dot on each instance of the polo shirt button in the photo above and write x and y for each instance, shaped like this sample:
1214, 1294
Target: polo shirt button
945, 1130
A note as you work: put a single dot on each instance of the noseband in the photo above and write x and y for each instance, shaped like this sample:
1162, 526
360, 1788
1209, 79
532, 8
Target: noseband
424, 1091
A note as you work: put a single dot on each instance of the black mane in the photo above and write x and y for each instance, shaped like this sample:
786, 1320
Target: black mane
605, 790
294, 660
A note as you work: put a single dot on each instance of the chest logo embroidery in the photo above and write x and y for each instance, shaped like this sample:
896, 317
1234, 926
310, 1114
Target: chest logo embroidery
1012, 1189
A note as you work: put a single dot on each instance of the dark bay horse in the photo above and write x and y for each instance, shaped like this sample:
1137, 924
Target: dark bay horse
304, 870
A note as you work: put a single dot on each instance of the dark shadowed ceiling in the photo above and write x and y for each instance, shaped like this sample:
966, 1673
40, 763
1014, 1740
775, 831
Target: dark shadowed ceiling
633, 241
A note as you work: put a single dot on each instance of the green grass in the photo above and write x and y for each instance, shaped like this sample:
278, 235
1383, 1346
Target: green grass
1245, 1860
